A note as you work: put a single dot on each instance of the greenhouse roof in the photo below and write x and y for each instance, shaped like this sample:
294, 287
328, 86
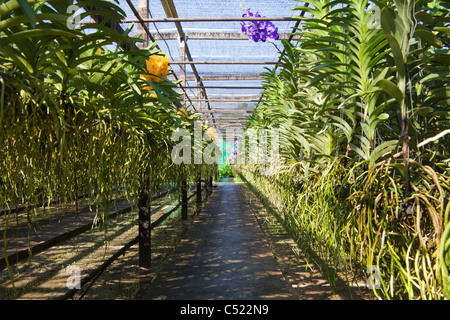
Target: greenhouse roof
222, 66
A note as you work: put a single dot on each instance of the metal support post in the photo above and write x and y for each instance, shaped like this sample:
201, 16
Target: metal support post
144, 226
184, 199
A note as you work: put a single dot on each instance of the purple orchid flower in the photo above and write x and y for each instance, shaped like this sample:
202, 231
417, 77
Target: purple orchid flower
259, 30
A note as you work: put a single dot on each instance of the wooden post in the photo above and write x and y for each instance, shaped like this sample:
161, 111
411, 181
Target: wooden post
199, 97
182, 43
142, 8
184, 201
199, 188
144, 226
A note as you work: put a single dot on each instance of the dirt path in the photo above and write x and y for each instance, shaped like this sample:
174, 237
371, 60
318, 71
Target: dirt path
224, 255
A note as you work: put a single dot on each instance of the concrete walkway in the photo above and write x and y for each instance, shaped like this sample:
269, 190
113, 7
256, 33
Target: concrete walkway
224, 255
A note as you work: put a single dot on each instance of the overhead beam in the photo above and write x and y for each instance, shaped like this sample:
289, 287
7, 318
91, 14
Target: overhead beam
209, 19
221, 87
226, 121
220, 128
229, 124
227, 77
224, 127
230, 127
234, 99
237, 130
238, 123
231, 116
211, 36
237, 116
224, 111
224, 62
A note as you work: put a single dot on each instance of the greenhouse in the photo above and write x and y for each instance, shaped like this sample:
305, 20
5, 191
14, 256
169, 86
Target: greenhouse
224, 150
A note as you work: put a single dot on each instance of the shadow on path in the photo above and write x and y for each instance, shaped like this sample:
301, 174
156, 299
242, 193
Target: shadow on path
224, 255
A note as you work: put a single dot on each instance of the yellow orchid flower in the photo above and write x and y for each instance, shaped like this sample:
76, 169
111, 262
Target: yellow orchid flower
210, 132
156, 65
184, 113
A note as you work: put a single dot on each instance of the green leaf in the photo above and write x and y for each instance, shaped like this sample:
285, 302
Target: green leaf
434, 76
97, 4
442, 29
21, 62
425, 17
36, 33
400, 168
445, 102
28, 12
383, 149
391, 89
394, 34
426, 35
424, 111
359, 151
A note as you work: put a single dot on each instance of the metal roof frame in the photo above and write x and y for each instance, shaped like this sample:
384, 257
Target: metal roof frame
142, 12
